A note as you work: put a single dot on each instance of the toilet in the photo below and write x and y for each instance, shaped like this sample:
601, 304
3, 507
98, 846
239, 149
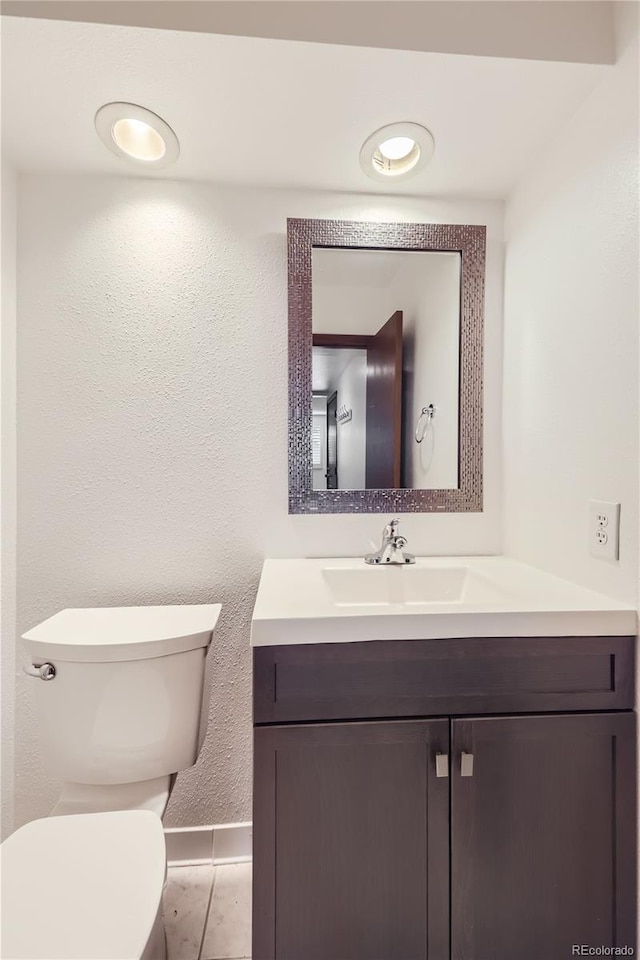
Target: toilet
84, 886
120, 695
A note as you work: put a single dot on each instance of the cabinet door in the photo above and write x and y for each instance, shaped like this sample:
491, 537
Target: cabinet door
351, 842
543, 836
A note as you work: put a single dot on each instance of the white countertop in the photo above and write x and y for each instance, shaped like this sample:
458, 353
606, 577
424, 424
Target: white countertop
343, 600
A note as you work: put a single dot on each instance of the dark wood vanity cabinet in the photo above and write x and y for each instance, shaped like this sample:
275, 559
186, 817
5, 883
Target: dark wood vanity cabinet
462, 835
542, 836
357, 831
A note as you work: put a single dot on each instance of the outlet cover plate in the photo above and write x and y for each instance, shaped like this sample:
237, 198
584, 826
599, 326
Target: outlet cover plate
604, 529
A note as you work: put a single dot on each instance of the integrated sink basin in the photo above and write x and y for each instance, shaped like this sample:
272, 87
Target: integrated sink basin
373, 586
344, 599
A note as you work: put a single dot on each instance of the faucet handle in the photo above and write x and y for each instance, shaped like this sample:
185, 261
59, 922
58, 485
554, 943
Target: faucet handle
392, 549
391, 528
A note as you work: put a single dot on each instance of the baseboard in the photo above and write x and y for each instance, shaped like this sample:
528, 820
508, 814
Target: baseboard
232, 842
219, 843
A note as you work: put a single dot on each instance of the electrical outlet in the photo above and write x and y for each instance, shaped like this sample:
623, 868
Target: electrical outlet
604, 529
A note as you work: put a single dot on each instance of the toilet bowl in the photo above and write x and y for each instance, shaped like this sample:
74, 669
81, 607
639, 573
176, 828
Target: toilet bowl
120, 694
84, 887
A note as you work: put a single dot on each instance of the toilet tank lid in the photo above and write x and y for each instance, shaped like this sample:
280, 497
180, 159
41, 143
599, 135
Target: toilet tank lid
106, 634
82, 886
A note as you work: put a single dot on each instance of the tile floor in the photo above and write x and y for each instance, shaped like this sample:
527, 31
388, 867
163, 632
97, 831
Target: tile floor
207, 912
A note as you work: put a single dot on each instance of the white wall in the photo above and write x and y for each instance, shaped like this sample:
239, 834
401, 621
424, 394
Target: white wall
577, 31
152, 326
428, 292
352, 434
571, 340
8, 455
319, 412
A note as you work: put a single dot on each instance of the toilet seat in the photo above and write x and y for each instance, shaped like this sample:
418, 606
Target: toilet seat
83, 887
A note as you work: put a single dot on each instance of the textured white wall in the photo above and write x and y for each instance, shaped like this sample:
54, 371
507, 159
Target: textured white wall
571, 340
152, 336
8, 456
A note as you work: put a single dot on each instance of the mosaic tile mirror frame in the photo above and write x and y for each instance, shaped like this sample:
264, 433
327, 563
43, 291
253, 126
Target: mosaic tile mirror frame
469, 241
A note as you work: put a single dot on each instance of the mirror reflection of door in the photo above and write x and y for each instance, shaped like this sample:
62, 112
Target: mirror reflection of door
383, 429
363, 377
386, 336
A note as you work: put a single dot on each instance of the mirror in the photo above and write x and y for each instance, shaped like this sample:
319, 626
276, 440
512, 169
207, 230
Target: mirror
385, 361
385, 365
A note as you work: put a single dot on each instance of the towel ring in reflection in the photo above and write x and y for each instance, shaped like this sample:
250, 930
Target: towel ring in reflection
425, 418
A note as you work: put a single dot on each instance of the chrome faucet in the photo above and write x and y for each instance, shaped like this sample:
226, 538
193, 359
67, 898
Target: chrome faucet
392, 548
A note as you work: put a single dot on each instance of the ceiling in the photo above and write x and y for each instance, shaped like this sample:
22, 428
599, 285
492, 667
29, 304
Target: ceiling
328, 364
279, 113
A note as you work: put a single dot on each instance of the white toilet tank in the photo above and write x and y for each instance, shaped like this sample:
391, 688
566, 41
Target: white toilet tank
125, 703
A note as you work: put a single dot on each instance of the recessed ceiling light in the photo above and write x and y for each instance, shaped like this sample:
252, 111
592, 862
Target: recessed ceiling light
136, 134
397, 150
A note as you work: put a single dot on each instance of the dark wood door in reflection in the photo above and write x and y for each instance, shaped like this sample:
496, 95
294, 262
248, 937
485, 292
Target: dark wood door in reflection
542, 836
384, 406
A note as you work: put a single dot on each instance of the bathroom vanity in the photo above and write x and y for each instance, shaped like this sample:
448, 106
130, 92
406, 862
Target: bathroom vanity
452, 786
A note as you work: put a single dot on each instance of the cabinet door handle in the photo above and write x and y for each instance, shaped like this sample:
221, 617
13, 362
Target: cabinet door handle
466, 765
442, 764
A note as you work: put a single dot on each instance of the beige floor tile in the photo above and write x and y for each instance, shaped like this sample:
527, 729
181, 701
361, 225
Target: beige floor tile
186, 899
228, 931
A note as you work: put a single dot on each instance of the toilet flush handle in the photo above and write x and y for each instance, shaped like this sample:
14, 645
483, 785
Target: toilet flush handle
44, 671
